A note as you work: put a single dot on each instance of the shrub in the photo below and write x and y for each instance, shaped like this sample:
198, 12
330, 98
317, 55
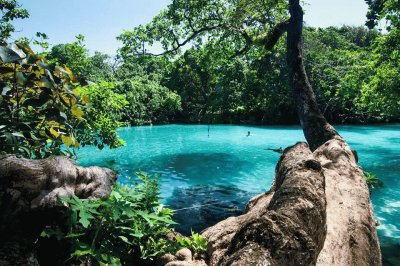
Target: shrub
43, 110
197, 243
372, 180
130, 223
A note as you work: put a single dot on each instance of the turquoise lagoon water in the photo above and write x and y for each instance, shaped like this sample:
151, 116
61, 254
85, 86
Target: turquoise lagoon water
207, 177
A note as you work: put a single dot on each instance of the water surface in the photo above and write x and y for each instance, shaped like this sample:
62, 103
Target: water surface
207, 176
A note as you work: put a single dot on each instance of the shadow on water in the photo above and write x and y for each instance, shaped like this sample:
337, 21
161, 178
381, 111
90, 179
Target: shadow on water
394, 140
390, 255
390, 252
199, 207
199, 166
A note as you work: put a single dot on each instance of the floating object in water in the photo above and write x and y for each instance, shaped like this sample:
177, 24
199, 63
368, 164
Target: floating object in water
280, 150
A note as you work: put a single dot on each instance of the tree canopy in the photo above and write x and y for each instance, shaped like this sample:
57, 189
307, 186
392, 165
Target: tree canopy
10, 10
242, 23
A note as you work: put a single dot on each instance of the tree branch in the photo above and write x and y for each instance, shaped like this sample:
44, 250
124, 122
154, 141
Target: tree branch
268, 40
272, 37
195, 34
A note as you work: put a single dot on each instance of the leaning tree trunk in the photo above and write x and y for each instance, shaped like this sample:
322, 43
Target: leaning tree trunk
29, 191
285, 226
315, 127
318, 211
351, 236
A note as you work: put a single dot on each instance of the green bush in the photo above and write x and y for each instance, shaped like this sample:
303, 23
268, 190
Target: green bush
44, 110
149, 102
197, 243
372, 180
130, 223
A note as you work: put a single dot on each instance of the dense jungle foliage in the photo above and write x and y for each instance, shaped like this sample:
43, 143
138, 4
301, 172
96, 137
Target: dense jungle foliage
65, 97
129, 227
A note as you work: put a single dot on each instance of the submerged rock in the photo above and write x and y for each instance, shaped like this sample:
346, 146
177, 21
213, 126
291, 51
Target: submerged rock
199, 207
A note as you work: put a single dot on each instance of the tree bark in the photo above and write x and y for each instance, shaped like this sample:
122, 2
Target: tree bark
352, 237
29, 191
318, 212
315, 127
285, 226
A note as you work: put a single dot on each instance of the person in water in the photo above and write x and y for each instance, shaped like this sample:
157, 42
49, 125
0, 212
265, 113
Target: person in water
248, 133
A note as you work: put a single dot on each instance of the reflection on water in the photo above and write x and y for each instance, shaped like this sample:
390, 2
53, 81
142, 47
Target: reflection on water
228, 167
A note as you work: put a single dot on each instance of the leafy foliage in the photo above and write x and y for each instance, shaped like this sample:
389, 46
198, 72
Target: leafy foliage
388, 10
241, 22
131, 222
372, 180
93, 68
230, 75
104, 113
10, 10
73, 55
148, 101
382, 93
196, 243
42, 108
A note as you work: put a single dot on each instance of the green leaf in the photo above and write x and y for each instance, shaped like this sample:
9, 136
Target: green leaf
18, 134
124, 239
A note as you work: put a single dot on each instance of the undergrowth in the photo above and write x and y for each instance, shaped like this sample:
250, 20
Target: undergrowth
130, 223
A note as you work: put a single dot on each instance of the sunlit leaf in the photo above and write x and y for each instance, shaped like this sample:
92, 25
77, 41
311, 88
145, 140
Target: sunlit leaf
67, 140
77, 111
54, 132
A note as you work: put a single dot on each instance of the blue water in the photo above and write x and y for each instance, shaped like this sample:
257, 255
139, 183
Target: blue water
207, 177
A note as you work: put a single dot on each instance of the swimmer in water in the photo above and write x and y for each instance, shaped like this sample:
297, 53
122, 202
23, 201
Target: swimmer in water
248, 133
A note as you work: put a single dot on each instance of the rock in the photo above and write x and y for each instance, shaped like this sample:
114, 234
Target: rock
180, 263
184, 258
165, 259
187, 263
171, 235
29, 191
184, 254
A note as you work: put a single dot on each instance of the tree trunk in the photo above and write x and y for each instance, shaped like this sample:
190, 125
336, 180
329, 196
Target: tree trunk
29, 191
315, 127
319, 210
285, 226
352, 237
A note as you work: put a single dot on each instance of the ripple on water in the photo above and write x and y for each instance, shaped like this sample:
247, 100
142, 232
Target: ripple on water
229, 167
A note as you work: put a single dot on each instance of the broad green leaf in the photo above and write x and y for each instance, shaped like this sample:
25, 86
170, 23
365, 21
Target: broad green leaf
124, 239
